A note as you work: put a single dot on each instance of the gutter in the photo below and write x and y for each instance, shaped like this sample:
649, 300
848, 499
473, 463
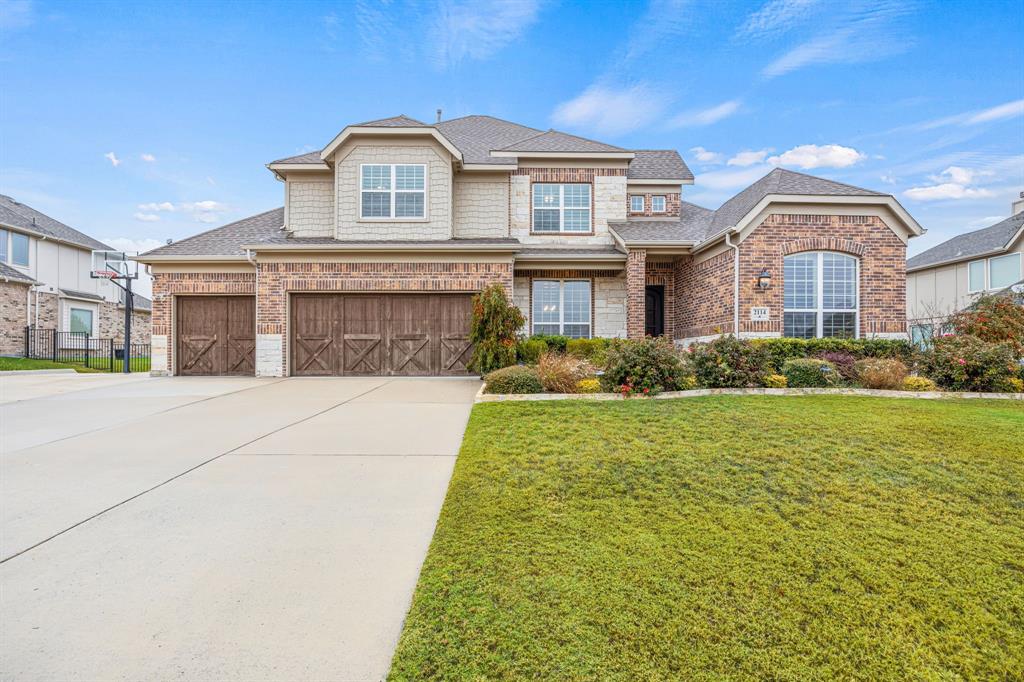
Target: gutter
735, 281
421, 247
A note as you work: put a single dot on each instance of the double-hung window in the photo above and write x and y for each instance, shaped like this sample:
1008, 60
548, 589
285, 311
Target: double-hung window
636, 203
820, 296
562, 307
19, 248
997, 272
393, 191
658, 204
561, 208
4, 236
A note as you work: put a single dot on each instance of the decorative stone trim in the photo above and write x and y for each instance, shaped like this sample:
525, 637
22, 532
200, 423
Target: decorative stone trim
786, 392
824, 244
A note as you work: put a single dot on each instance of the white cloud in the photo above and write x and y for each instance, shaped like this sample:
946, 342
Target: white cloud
476, 29
808, 156
704, 156
204, 211
154, 206
148, 158
776, 16
997, 113
146, 217
15, 14
946, 190
130, 245
112, 158
730, 179
611, 111
986, 221
707, 116
888, 178
748, 158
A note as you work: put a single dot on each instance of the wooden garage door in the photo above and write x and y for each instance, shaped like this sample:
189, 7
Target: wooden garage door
216, 335
380, 335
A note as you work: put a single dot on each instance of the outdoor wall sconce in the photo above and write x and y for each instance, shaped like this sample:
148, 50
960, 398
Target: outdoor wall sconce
764, 280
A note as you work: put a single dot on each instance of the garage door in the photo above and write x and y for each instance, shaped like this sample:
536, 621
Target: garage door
216, 335
380, 335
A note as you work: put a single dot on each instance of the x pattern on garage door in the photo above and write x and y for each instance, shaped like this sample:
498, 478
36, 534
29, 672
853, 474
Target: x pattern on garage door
216, 335
386, 334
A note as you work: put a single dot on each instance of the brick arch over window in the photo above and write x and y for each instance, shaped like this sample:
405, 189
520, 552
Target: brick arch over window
824, 244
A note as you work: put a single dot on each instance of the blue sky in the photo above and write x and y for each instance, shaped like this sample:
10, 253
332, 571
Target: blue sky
138, 122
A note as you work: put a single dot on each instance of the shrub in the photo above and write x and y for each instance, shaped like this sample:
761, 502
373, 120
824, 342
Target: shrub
554, 342
560, 373
687, 383
493, 329
809, 373
588, 386
844, 363
775, 381
778, 350
594, 351
881, 373
528, 351
966, 363
514, 379
1014, 385
728, 362
918, 384
997, 318
650, 365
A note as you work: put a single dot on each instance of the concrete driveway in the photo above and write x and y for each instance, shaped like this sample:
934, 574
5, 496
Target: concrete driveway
193, 528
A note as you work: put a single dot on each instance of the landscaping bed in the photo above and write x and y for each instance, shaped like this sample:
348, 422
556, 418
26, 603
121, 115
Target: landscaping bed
742, 537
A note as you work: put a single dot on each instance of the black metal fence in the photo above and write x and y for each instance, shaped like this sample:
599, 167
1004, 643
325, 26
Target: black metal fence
78, 348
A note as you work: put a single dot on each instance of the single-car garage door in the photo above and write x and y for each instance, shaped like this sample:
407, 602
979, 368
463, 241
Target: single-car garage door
216, 335
380, 334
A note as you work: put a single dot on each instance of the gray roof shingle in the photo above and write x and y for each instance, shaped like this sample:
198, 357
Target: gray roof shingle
16, 214
691, 227
81, 294
400, 121
986, 240
476, 136
557, 141
308, 157
228, 239
658, 164
13, 274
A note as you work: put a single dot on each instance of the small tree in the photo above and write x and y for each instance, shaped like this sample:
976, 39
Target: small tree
495, 324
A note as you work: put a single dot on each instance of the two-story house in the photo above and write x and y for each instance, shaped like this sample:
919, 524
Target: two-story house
45, 282
388, 230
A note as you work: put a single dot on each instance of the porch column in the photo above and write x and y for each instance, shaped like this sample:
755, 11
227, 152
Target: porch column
636, 280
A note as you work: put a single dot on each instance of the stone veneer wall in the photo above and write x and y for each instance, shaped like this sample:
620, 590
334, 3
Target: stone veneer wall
168, 285
607, 198
111, 323
13, 317
671, 205
311, 207
276, 280
481, 206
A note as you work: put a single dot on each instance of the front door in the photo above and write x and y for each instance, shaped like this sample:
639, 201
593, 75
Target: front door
655, 307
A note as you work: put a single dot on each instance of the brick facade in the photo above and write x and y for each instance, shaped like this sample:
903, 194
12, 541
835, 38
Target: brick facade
671, 205
704, 297
636, 298
662, 273
13, 317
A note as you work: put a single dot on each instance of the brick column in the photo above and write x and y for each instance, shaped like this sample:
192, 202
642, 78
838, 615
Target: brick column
636, 299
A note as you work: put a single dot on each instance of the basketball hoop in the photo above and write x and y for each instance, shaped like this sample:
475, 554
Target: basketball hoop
117, 267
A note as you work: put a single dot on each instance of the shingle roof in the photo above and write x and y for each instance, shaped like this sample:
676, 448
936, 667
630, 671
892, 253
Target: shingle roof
658, 164
557, 141
308, 157
476, 136
226, 240
81, 294
139, 302
281, 239
15, 214
986, 240
400, 121
13, 274
609, 250
691, 227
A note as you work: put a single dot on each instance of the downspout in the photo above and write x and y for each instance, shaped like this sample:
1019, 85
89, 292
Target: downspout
735, 282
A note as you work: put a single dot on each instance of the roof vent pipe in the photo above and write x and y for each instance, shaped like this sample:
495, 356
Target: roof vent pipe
438, 115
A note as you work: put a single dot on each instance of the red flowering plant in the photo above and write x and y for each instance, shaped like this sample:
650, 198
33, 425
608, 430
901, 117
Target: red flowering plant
967, 363
996, 318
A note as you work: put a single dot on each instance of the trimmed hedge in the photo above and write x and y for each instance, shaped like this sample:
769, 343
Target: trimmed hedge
728, 362
779, 350
515, 379
810, 373
594, 351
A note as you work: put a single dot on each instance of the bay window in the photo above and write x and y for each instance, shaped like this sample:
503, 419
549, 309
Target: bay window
561, 207
393, 191
820, 295
561, 307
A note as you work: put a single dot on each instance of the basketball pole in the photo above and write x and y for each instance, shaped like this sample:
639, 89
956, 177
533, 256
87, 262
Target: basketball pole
128, 304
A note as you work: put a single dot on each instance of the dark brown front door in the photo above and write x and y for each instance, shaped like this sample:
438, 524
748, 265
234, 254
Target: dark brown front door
654, 302
380, 334
216, 335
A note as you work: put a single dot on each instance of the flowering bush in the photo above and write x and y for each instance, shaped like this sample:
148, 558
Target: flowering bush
881, 373
588, 386
493, 329
810, 373
1014, 385
775, 381
919, 384
995, 319
781, 349
648, 365
728, 362
560, 373
514, 379
967, 363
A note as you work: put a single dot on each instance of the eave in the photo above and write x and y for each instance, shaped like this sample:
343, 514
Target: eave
656, 181
396, 131
563, 155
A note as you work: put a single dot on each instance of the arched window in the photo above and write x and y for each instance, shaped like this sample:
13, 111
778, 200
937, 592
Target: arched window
820, 295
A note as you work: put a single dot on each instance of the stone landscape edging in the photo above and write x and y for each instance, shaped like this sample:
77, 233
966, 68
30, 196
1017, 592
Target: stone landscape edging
701, 392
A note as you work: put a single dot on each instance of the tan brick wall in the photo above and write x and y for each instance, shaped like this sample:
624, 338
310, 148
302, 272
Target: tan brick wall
311, 207
607, 197
13, 317
671, 205
481, 206
636, 280
46, 313
703, 296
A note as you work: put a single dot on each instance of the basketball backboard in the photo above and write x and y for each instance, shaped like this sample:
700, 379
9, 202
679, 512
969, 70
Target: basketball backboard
114, 265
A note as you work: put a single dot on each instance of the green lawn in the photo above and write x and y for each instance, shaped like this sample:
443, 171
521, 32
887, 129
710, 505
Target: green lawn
95, 364
781, 538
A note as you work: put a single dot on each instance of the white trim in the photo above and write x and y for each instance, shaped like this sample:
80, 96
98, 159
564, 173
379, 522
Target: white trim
561, 305
819, 284
664, 203
658, 181
392, 246
562, 208
397, 131
987, 274
299, 166
394, 191
489, 166
642, 201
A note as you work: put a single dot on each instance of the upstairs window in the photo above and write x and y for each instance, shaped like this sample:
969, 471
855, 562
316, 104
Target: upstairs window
997, 272
19, 249
393, 191
657, 204
636, 203
820, 296
4, 236
561, 208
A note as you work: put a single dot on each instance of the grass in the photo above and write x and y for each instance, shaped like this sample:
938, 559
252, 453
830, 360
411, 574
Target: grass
781, 538
96, 365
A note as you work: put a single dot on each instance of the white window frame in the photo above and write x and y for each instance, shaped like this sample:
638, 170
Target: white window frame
9, 236
394, 192
664, 203
634, 209
92, 318
562, 209
987, 269
819, 295
561, 306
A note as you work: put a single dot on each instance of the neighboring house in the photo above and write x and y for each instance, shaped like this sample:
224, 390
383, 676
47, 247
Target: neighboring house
387, 231
949, 277
45, 282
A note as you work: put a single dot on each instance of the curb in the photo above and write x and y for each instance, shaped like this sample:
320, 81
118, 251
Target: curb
36, 371
702, 392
